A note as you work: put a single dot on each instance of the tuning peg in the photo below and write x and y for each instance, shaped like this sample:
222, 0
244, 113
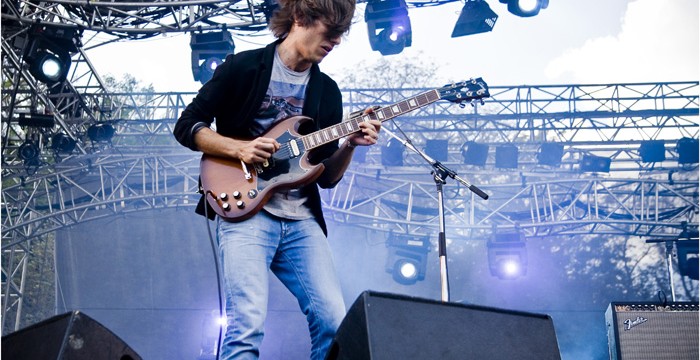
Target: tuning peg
482, 101
461, 105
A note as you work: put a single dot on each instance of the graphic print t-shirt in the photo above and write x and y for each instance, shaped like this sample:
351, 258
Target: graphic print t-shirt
284, 98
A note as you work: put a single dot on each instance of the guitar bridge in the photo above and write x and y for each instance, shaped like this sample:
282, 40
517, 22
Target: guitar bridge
258, 168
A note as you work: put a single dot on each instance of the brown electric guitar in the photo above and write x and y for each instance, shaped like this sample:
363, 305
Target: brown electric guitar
237, 191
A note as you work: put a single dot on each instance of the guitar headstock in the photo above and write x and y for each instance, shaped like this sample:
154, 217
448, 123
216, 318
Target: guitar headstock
465, 91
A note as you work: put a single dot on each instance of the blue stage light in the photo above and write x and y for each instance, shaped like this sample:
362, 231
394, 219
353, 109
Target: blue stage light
525, 8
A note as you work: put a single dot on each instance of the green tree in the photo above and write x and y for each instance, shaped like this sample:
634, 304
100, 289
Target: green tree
127, 84
393, 72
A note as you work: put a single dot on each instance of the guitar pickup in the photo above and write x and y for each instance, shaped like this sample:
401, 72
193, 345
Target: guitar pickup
294, 148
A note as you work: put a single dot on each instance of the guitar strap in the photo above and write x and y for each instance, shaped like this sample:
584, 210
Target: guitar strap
318, 105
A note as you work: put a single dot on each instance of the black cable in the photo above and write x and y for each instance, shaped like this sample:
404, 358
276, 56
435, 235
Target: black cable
662, 298
218, 273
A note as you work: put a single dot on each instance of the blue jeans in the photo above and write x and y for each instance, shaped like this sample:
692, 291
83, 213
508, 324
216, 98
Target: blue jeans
298, 253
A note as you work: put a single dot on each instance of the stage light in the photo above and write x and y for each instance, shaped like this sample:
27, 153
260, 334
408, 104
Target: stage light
36, 120
62, 143
388, 26
48, 67
652, 151
437, 149
48, 55
209, 50
392, 153
687, 149
525, 8
268, 8
206, 70
407, 258
687, 251
596, 164
29, 150
506, 157
476, 17
688, 258
550, 154
474, 153
100, 132
507, 256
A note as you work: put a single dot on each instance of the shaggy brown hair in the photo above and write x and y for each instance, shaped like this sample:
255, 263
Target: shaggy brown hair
335, 14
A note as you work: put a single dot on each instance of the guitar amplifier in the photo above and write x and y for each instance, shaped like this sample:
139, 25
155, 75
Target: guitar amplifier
643, 331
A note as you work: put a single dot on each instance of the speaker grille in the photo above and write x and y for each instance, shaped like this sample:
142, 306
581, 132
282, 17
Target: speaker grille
642, 331
69, 336
382, 326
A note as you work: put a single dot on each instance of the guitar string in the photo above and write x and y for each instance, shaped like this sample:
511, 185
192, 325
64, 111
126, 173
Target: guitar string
422, 99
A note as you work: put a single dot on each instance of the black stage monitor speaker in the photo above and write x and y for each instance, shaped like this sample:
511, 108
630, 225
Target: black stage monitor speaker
382, 326
646, 331
72, 335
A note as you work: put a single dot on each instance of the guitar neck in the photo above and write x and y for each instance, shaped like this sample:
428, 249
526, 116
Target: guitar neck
352, 125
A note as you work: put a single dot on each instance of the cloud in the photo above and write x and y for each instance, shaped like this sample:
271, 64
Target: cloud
658, 41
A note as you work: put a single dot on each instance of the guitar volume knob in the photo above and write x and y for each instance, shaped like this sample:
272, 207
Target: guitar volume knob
240, 204
236, 194
223, 196
226, 206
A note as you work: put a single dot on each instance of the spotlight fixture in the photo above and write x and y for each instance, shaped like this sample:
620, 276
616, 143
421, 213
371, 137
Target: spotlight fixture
392, 153
474, 153
208, 52
407, 258
525, 8
388, 26
687, 250
687, 149
507, 157
62, 143
100, 132
476, 17
550, 154
36, 120
652, 151
268, 8
49, 53
29, 150
49, 67
596, 164
507, 256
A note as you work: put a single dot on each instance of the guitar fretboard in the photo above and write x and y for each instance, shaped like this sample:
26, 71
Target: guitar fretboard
352, 125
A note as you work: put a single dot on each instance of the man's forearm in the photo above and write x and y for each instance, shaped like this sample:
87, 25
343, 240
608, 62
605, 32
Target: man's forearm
211, 143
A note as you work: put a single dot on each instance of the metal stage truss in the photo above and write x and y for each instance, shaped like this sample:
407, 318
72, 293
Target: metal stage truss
142, 168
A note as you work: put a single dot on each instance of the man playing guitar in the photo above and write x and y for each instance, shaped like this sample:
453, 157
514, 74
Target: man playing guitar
248, 95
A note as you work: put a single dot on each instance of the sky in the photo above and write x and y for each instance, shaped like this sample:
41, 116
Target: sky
570, 42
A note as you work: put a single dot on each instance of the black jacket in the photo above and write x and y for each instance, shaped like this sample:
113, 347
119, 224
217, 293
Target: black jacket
234, 95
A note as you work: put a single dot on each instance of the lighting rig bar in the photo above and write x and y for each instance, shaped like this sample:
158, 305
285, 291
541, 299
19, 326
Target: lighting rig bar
139, 20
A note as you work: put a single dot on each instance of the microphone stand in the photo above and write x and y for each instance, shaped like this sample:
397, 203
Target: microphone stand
440, 172
669, 262
669, 256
